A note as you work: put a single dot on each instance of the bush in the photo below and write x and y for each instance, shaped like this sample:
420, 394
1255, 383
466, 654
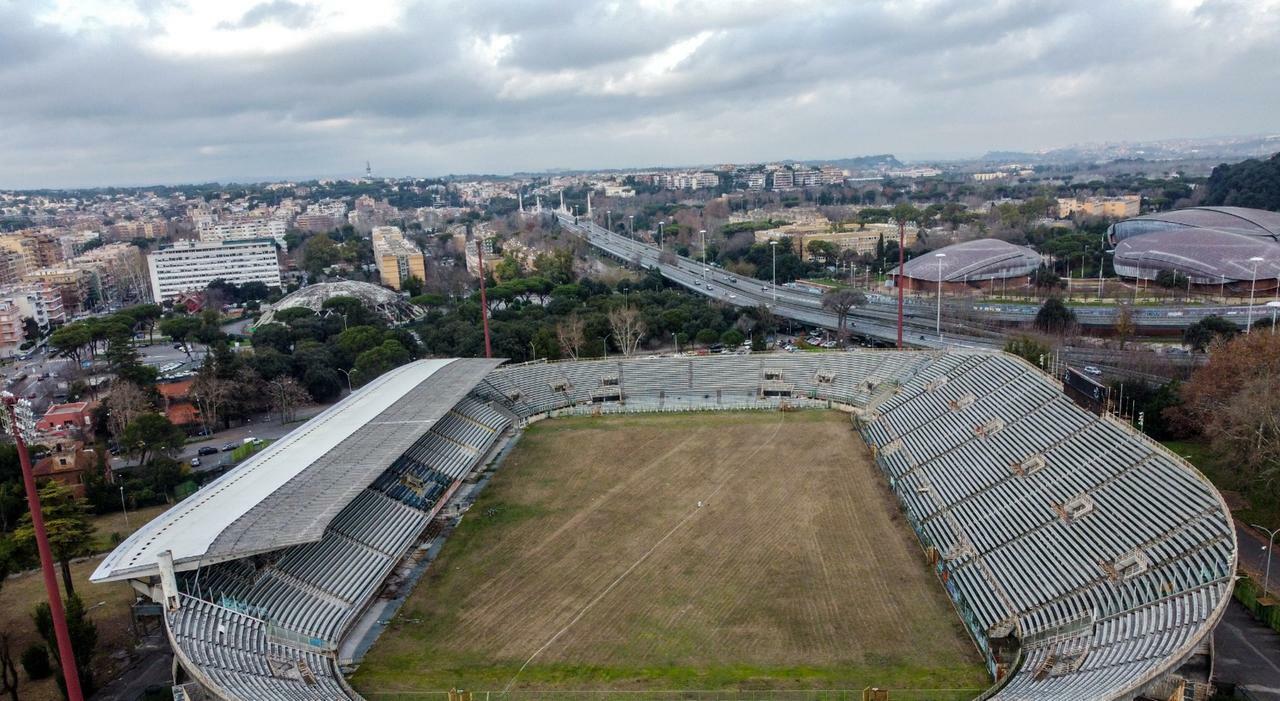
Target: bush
35, 660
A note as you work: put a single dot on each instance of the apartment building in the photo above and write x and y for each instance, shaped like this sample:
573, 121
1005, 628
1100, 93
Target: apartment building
862, 241
783, 180
397, 258
72, 284
189, 266
36, 301
244, 229
1122, 207
116, 271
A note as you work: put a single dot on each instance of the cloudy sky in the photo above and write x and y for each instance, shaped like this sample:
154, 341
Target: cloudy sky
97, 92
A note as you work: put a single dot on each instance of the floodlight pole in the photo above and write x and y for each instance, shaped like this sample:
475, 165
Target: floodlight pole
902, 228
1253, 287
938, 323
66, 655
484, 306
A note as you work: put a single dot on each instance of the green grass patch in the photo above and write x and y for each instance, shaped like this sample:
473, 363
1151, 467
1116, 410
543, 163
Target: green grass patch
244, 450
1252, 500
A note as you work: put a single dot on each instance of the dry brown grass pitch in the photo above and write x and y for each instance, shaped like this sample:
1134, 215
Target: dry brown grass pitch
588, 562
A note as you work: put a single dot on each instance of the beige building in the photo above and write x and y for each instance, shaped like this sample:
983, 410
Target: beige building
1121, 207
72, 284
397, 258
861, 241
116, 269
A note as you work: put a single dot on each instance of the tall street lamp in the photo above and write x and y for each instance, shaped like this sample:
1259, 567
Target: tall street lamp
660, 223
124, 508
773, 246
1275, 306
18, 421
608, 218
938, 324
1266, 578
1248, 327
705, 270
631, 225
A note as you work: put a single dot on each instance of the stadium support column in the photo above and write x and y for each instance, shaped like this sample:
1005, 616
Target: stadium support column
17, 425
902, 232
168, 581
484, 303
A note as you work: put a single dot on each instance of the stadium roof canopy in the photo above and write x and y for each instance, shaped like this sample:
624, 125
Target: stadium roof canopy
393, 307
982, 259
287, 494
1233, 220
1206, 256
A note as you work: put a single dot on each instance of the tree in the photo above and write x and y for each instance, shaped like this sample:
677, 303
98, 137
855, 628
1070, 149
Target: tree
412, 285
628, 328
1029, 349
211, 394
571, 335
180, 328
1055, 317
841, 302
1204, 333
66, 520
286, 396
151, 434
824, 251
83, 634
125, 403
1124, 326
30, 329
376, 361
70, 340
1234, 400
8, 670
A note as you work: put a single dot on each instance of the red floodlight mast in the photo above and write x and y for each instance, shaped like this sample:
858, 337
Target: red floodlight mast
66, 655
898, 283
484, 305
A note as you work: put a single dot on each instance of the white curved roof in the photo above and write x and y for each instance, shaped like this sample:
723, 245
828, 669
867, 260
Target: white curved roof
289, 492
1204, 255
981, 259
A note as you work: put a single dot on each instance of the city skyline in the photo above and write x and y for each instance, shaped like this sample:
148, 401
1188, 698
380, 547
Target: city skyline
148, 93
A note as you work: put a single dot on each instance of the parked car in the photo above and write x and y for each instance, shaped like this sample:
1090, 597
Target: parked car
207, 450
229, 447
195, 462
1092, 370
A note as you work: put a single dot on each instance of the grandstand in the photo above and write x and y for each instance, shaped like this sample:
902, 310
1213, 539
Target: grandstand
1085, 560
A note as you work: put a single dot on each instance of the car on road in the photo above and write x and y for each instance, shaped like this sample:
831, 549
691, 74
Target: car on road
230, 447
195, 462
207, 450
1092, 370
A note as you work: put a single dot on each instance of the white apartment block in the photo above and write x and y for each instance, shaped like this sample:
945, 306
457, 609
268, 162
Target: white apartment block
189, 266
242, 229
783, 180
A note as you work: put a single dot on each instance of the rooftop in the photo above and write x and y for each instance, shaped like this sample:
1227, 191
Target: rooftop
287, 494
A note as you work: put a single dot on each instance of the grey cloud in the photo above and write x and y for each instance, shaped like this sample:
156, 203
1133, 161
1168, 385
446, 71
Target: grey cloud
282, 12
770, 81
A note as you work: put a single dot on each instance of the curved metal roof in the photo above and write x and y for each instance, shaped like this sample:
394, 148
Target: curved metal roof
393, 307
1235, 220
982, 259
1207, 256
287, 494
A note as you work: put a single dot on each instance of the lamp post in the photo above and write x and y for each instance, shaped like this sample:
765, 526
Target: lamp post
348, 375
1275, 306
1266, 578
18, 421
773, 246
608, 218
938, 324
703, 232
660, 223
631, 225
124, 508
1248, 327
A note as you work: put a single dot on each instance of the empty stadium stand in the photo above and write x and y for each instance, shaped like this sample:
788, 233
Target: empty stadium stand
1094, 558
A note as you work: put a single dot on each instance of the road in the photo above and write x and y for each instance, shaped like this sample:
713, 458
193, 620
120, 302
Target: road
1247, 654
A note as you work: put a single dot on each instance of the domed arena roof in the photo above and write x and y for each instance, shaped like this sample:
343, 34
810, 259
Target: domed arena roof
983, 259
1207, 256
1236, 220
393, 308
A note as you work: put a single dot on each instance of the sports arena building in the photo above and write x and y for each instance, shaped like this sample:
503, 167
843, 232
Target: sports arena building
1227, 249
982, 263
1085, 560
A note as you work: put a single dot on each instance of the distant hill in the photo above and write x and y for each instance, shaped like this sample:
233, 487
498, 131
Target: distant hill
1226, 148
876, 162
1252, 183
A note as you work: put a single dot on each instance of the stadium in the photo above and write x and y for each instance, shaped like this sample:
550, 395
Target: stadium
1084, 561
1218, 249
982, 263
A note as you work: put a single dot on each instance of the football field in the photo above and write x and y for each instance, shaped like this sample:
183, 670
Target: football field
749, 550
